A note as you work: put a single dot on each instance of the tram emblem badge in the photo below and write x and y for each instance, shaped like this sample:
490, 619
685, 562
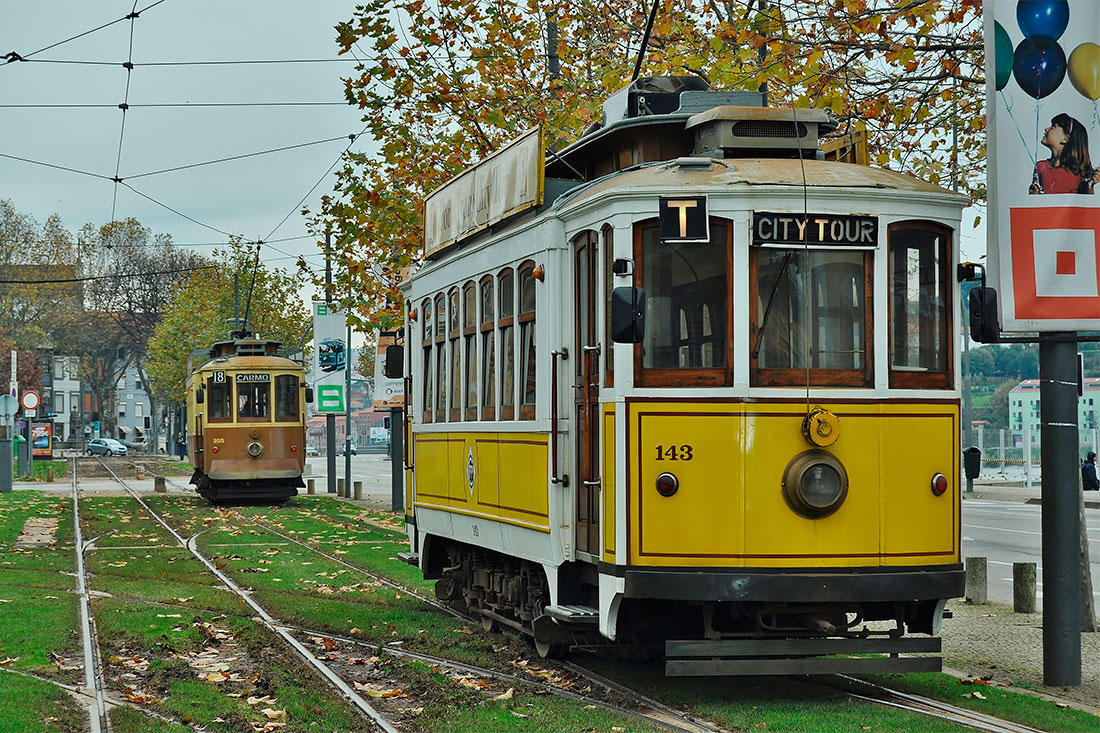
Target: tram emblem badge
471, 472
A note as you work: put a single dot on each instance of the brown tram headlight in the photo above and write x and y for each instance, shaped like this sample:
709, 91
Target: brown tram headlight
815, 484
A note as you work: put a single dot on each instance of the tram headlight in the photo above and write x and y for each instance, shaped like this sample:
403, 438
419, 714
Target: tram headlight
815, 484
255, 449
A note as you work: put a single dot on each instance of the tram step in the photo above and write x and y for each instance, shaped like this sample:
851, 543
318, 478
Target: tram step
412, 558
688, 658
573, 614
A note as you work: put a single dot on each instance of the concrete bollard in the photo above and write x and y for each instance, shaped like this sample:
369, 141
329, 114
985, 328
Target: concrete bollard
311, 486
140, 472
977, 580
307, 470
49, 475
160, 486
358, 490
1023, 587
340, 487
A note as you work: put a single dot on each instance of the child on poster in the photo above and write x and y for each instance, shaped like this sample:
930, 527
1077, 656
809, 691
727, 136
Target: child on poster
1069, 169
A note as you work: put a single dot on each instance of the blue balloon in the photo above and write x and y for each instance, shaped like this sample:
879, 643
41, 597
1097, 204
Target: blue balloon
1043, 21
1038, 71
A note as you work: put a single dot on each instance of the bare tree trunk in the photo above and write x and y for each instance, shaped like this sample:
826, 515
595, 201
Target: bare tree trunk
154, 417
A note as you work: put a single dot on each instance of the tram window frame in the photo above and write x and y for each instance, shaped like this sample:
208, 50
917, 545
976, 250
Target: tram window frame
286, 396
798, 376
608, 350
486, 297
469, 345
212, 389
900, 236
454, 320
440, 340
528, 367
427, 314
506, 328
251, 391
721, 376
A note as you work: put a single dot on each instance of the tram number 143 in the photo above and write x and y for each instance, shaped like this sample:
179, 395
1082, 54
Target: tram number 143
674, 453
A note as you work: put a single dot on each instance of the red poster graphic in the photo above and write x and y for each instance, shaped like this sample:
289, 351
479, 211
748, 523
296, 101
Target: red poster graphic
1056, 262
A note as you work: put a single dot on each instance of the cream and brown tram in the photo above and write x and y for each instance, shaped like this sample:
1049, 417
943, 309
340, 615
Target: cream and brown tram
699, 394
246, 409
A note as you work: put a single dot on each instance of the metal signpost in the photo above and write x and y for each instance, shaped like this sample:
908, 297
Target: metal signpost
1043, 248
30, 401
8, 407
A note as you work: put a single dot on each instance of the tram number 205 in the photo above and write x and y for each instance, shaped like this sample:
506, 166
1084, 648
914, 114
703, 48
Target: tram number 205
674, 453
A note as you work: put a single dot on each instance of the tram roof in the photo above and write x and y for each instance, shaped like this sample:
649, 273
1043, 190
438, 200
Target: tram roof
746, 173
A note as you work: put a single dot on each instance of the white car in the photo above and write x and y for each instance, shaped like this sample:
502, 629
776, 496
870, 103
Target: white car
106, 447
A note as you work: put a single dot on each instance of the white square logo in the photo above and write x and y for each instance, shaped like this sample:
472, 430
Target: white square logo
1065, 263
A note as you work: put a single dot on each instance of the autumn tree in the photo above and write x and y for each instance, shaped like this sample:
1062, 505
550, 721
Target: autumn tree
203, 305
134, 275
444, 83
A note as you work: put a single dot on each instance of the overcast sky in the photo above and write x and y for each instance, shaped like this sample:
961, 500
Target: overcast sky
248, 197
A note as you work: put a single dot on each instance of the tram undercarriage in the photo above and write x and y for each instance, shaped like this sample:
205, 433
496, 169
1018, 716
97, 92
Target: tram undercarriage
269, 490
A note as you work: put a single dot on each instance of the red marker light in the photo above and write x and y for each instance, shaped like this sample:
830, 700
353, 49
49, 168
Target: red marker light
293, 448
939, 484
214, 449
667, 484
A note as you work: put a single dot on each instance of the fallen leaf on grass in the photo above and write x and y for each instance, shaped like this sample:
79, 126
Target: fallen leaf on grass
266, 699
7, 600
169, 615
521, 715
273, 714
507, 695
9, 660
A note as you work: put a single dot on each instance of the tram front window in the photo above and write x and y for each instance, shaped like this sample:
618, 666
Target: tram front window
687, 304
253, 400
286, 398
219, 404
811, 311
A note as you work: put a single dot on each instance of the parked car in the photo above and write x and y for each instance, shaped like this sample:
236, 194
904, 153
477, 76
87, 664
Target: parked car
340, 449
311, 451
106, 447
140, 444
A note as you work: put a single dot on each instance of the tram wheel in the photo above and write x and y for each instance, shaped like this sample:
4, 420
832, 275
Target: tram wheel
446, 589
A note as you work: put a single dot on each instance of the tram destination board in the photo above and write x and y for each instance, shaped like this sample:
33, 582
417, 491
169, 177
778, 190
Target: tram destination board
831, 230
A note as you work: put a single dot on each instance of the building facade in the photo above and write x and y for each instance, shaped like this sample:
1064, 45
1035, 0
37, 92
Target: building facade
1023, 407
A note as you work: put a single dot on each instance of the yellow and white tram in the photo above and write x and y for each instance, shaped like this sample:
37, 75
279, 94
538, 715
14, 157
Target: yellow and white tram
698, 393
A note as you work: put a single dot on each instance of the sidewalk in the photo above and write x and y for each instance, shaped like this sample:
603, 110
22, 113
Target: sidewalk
1015, 491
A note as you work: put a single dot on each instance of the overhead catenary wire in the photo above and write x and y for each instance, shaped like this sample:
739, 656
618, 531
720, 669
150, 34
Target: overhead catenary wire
15, 56
129, 66
89, 278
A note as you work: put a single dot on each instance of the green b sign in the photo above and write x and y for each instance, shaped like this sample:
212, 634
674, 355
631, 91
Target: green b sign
330, 398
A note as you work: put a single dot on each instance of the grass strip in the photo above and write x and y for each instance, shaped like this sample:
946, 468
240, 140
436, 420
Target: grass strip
28, 705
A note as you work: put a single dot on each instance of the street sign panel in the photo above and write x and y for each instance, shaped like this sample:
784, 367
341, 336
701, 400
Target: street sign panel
30, 400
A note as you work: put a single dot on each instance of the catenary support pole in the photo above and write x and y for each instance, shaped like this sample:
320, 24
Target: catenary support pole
1061, 528
347, 414
330, 419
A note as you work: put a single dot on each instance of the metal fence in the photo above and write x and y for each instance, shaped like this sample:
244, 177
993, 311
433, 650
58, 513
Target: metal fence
1015, 455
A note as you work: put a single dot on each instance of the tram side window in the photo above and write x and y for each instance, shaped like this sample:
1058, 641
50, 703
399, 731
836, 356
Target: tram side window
441, 358
219, 401
488, 357
506, 290
609, 285
527, 340
688, 307
920, 305
253, 400
469, 345
429, 369
286, 398
832, 332
456, 371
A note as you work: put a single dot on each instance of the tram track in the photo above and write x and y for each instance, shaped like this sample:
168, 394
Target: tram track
93, 670
368, 711
657, 713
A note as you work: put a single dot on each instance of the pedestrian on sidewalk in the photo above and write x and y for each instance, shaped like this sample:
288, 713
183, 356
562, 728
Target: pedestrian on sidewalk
181, 446
1088, 473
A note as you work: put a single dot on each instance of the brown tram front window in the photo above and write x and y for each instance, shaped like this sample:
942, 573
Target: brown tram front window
689, 317
810, 317
527, 352
488, 358
219, 401
506, 294
286, 398
253, 400
920, 306
469, 345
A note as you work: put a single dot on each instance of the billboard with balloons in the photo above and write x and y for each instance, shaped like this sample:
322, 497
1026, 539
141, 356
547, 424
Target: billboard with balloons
1042, 60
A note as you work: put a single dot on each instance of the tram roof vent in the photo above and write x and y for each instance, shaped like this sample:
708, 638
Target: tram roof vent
669, 95
733, 130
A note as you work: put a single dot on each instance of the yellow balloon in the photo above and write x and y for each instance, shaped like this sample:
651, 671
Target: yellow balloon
1084, 70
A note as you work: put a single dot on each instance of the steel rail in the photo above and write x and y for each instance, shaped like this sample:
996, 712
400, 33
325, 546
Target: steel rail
270, 622
93, 674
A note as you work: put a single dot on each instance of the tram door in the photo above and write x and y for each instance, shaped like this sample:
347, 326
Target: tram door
586, 395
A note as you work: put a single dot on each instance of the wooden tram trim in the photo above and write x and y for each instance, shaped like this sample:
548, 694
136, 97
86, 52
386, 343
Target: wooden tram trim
929, 379
470, 321
689, 377
507, 411
956, 515
453, 407
607, 240
765, 377
526, 271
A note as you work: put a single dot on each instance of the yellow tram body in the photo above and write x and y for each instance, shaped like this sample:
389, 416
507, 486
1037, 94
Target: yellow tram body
744, 438
246, 423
